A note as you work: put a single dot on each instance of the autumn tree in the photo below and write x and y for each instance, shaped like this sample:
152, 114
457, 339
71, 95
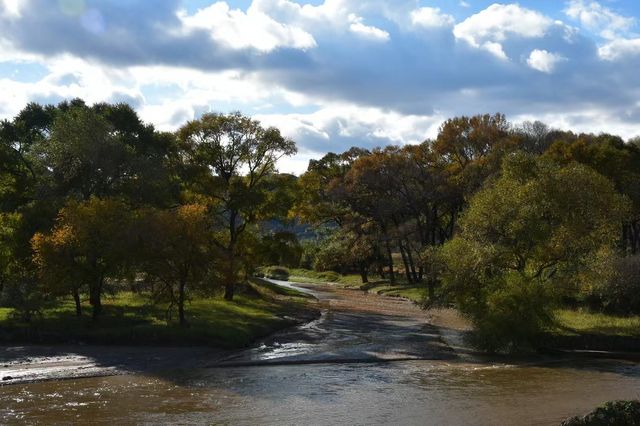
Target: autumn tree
235, 155
174, 248
610, 156
89, 244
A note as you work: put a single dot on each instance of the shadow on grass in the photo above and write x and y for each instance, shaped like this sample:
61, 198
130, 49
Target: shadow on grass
128, 319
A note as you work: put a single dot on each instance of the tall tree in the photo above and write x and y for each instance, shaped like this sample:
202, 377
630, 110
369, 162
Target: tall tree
235, 155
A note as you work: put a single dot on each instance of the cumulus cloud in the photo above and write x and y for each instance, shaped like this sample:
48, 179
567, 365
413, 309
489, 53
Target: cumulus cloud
240, 30
325, 71
620, 48
492, 26
544, 61
431, 17
338, 126
599, 19
613, 27
366, 31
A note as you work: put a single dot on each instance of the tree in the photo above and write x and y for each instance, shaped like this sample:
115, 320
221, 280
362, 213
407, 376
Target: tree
280, 248
347, 251
90, 243
234, 155
175, 249
618, 161
524, 240
103, 151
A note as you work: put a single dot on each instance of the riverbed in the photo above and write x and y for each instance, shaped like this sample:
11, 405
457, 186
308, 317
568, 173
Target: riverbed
368, 360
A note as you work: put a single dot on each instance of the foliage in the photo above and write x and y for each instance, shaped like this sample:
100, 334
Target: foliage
524, 240
90, 243
175, 249
276, 273
24, 296
280, 248
619, 413
617, 290
232, 158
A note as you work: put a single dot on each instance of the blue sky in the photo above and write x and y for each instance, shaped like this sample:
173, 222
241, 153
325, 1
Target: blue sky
331, 73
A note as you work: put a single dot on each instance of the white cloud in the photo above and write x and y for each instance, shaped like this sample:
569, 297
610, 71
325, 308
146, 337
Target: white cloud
495, 49
599, 19
356, 122
596, 120
490, 27
372, 33
431, 17
239, 30
11, 8
619, 49
464, 4
544, 61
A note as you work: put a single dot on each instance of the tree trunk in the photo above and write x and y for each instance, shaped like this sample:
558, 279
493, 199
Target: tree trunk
407, 270
230, 279
431, 289
412, 265
229, 284
94, 298
183, 322
76, 299
392, 276
363, 274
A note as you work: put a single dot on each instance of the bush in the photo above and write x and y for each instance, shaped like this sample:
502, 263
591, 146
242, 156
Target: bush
24, 297
276, 273
511, 315
621, 293
619, 413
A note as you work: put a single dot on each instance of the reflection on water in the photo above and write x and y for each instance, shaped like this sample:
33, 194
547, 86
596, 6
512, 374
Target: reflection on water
417, 392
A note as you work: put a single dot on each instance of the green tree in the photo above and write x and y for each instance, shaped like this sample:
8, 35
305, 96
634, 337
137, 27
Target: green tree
235, 155
103, 151
524, 240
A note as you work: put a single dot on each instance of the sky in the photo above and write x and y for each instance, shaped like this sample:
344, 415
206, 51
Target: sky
331, 74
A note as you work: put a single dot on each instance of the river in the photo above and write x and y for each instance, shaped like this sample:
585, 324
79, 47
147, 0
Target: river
350, 367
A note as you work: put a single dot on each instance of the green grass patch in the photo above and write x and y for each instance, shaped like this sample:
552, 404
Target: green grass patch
401, 288
130, 318
578, 322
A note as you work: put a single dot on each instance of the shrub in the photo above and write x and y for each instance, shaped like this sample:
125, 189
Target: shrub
277, 273
24, 297
620, 294
512, 315
619, 413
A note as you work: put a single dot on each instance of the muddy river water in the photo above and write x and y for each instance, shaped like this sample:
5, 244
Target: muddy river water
350, 367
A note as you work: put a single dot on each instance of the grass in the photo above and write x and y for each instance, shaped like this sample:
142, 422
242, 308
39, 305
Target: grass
401, 288
129, 318
580, 322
